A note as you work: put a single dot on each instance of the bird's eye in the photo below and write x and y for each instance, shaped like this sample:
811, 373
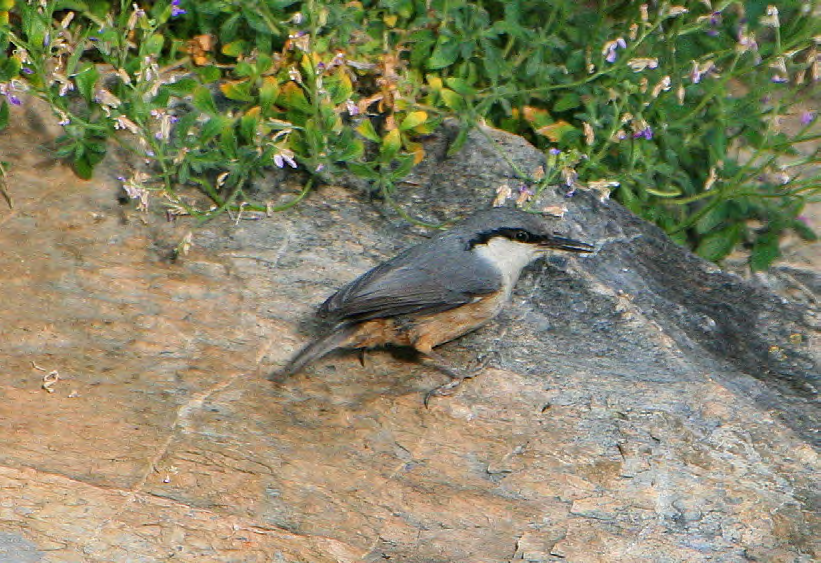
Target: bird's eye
522, 236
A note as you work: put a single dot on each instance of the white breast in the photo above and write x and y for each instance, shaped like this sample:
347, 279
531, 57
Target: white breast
510, 257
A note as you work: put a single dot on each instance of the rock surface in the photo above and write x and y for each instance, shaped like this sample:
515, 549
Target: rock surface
642, 405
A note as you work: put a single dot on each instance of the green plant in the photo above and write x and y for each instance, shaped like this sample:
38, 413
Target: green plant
675, 108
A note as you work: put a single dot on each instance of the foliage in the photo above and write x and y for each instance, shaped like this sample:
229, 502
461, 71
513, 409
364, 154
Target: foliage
676, 108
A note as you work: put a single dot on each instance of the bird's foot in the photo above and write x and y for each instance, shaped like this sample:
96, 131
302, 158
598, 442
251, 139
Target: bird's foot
457, 375
443, 390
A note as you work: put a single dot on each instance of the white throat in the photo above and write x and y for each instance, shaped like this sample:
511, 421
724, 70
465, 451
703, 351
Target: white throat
509, 256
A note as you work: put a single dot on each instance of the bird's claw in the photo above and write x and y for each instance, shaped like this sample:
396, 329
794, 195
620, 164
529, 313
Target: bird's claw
457, 375
443, 390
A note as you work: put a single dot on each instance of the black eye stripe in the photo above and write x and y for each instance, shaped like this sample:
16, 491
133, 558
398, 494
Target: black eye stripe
512, 233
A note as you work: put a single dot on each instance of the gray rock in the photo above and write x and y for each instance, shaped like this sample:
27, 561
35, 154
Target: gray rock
641, 405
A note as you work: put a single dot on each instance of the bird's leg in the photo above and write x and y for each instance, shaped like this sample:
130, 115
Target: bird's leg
457, 375
362, 352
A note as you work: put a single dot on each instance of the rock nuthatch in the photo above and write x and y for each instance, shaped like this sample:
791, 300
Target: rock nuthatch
436, 291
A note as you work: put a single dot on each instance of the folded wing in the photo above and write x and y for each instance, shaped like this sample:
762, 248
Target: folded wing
411, 284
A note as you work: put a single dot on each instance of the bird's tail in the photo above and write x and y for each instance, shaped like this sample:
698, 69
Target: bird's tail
337, 338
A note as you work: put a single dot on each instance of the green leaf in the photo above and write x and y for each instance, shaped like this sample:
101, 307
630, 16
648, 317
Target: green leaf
154, 44
9, 69
228, 143
83, 168
203, 100
340, 87
390, 145
366, 130
212, 127
182, 87
566, 102
249, 124
452, 100
264, 61
712, 219
235, 48
4, 115
800, 227
719, 244
413, 119
268, 92
404, 168
244, 69
292, 96
460, 86
209, 74
444, 54
765, 251
86, 79
184, 124
459, 141
237, 91
363, 171
716, 141
671, 192
35, 28
351, 150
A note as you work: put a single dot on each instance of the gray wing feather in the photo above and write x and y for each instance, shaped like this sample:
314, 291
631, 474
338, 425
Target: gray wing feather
414, 284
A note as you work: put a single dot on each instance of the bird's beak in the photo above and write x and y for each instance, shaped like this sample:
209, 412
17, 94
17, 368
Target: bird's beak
564, 243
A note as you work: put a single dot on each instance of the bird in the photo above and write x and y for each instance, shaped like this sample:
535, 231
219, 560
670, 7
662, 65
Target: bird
436, 291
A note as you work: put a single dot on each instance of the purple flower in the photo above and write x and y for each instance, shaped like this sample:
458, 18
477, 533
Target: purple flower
176, 10
646, 133
26, 70
778, 79
284, 157
610, 48
10, 90
555, 151
807, 117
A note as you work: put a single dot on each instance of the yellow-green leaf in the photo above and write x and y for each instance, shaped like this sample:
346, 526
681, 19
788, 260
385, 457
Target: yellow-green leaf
235, 48
413, 119
239, 91
268, 92
555, 131
453, 100
391, 144
204, 101
366, 130
292, 96
435, 81
673, 192
461, 86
